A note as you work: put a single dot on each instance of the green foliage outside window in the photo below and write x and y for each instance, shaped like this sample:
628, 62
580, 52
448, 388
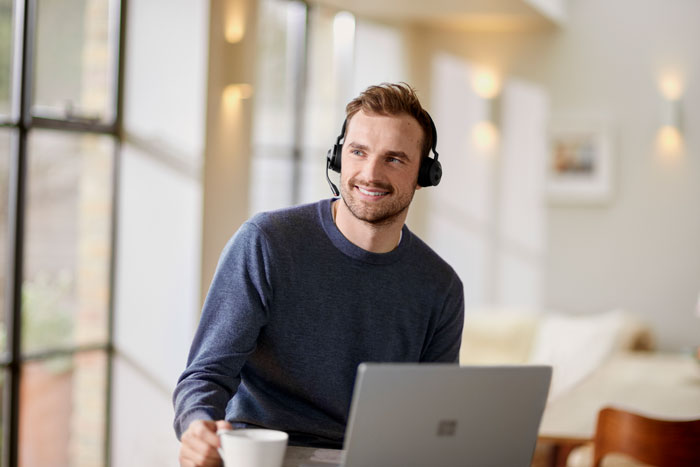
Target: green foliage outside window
5, 52
46, 316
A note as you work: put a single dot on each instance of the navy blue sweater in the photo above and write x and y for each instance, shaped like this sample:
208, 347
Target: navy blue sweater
292, 310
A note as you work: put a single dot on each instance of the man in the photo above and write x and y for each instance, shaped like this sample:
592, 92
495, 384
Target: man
303, 295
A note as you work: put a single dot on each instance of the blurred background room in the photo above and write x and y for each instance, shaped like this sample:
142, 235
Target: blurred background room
136, 136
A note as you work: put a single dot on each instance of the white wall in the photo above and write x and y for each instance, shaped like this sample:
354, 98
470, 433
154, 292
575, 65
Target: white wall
522, 217
159, 223
640, 250
486, 218
555, 10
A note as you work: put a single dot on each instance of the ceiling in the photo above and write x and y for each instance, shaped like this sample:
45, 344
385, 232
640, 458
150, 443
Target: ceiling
467, 14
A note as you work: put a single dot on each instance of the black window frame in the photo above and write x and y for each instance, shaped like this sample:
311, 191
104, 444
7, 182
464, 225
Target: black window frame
21, 123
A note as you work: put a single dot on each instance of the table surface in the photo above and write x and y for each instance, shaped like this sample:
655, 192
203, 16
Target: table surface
662, 385
296, 456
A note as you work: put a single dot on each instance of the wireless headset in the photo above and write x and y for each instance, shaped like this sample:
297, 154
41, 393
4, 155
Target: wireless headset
429, 174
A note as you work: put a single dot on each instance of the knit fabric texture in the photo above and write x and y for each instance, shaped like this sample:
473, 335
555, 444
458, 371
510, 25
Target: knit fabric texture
294, 308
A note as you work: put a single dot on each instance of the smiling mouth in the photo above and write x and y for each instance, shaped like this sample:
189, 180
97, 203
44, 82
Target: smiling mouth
372, 192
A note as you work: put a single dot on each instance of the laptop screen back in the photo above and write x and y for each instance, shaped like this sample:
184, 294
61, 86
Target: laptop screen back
445, 415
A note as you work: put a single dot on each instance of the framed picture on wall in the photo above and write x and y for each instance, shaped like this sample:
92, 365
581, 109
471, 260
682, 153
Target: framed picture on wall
580, 165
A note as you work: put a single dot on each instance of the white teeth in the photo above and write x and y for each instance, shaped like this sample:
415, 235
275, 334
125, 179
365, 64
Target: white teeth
371, 193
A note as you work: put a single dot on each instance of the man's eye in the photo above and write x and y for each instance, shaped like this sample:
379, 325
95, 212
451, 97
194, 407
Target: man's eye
393, 160
356, 152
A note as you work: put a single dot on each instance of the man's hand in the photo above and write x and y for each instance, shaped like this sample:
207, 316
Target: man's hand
200, 443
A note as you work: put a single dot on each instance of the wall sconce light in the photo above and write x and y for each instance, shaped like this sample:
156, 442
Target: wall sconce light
487, 85
669, 137
671, 110
234, 21
485, 135
236, 92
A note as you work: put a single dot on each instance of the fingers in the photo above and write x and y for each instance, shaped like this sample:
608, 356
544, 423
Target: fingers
198, 454
204, 430
223, 425
199, 445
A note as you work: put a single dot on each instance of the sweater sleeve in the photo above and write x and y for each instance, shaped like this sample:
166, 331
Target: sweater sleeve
234, 312
447, 338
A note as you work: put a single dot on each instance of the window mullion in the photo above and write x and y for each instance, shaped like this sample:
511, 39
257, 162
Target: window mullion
18, 176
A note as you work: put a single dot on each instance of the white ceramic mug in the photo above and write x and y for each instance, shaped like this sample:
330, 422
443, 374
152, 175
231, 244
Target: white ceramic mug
252, 447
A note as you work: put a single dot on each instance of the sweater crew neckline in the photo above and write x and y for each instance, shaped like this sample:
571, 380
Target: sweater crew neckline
325, 208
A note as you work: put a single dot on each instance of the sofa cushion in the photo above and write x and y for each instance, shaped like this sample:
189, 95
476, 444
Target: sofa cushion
575, 345
497, 336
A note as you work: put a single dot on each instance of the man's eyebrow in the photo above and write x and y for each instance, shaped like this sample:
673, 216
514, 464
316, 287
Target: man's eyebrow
391, 153
357, 145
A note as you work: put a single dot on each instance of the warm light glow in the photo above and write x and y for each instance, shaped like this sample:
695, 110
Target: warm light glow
344, 27
671, 86
485, 136
669, 141
234, 33
235, 92
234, 28
486, 84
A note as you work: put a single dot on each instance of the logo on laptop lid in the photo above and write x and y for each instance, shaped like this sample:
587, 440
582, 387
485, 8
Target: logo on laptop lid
447, 428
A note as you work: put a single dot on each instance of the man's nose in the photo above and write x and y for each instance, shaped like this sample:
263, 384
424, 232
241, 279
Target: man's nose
372, 169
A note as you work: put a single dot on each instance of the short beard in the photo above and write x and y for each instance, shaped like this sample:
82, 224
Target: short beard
377, 218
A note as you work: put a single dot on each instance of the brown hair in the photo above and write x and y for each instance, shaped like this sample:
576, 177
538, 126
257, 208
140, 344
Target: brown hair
393, 99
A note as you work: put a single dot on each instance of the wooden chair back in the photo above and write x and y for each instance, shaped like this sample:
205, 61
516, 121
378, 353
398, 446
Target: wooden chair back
662, 443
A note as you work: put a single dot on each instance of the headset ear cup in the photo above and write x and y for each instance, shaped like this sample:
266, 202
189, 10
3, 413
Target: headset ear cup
435, 172
337, 157
424, 172
430, 172
334, 157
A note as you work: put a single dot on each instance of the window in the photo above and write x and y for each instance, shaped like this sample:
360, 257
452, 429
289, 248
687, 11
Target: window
58, 151
6, 57
278, 104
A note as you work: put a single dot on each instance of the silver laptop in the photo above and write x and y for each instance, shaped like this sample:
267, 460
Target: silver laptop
435, 415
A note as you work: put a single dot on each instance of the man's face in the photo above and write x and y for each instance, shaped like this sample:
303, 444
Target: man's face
379, 171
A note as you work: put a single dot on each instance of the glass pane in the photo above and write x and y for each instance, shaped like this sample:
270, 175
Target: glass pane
67, 240
329, 89
6, 44
62, 411
74, 60
281, 26
280, 52
5, 258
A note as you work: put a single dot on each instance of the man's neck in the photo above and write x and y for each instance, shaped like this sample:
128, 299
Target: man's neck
369, 237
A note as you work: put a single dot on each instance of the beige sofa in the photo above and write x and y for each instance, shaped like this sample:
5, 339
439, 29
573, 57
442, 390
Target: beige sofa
502, 335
